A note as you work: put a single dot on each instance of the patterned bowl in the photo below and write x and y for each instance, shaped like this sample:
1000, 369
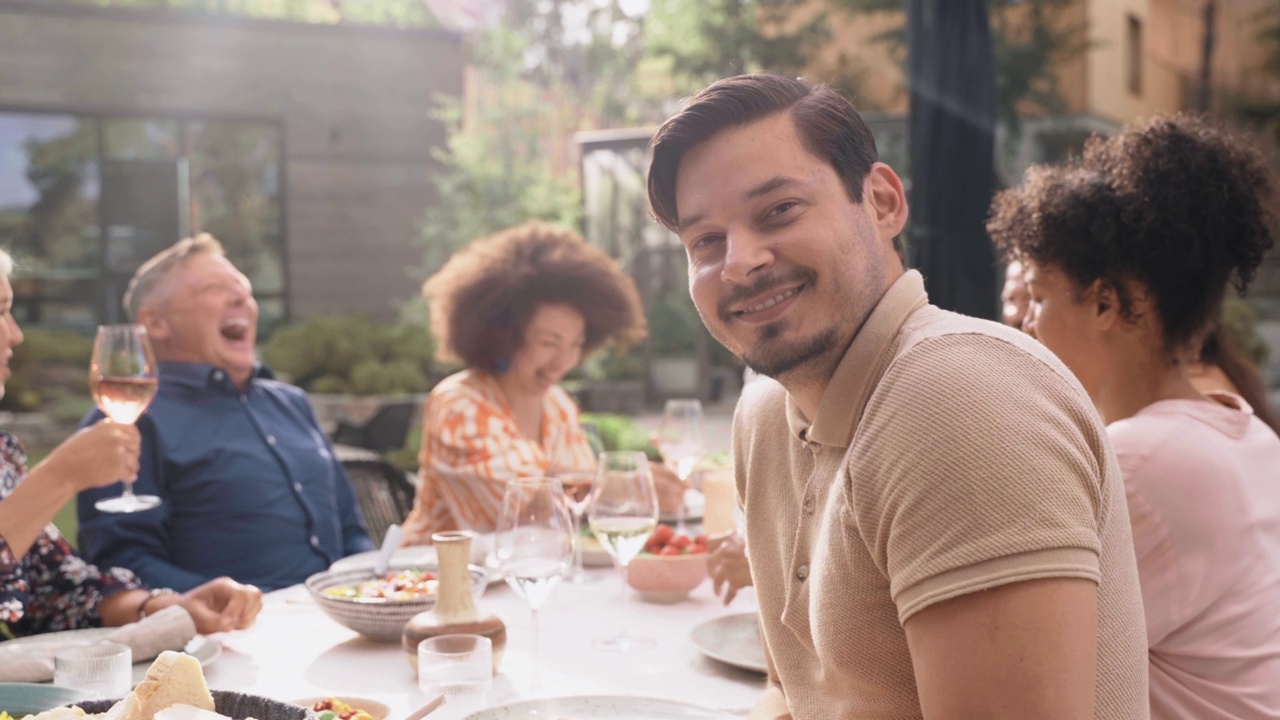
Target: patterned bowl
234, 705
377, 618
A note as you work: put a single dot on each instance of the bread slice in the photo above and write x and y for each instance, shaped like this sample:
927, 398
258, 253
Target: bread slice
173, 679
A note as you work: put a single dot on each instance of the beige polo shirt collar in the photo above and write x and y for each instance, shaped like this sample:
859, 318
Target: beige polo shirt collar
859, 371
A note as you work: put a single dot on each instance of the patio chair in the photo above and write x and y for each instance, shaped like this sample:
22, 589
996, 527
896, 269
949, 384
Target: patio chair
384, 493
383, 432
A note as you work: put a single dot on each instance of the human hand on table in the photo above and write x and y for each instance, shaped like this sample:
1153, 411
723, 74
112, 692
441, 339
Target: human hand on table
727, 564
219, 605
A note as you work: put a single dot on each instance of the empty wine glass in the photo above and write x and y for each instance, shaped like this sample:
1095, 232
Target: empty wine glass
534, 543
623, 513
123, 380
577, 491
681, 442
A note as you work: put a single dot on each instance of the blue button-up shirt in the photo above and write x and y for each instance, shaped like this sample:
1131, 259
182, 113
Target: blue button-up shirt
250, 485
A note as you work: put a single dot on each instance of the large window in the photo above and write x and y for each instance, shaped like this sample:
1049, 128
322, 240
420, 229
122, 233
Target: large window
85, 200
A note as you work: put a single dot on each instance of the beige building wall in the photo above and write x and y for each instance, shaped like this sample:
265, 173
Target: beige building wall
355, 103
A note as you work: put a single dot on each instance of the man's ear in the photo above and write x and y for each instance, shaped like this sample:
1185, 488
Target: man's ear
882, 191
157, 327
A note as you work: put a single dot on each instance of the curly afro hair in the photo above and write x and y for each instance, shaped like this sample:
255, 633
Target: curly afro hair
1174, 203
482, 299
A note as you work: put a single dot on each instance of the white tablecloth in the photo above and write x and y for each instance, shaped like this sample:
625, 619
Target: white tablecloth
295, 651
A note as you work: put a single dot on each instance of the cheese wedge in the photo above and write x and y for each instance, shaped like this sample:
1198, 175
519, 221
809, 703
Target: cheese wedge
173, 679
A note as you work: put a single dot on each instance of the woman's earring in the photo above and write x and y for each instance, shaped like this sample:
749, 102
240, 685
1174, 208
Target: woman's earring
502, 366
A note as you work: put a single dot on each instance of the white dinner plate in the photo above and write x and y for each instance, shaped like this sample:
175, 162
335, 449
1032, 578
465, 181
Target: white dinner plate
204, 649
414, 555
593, 553
604, 707
733, 640
20, 699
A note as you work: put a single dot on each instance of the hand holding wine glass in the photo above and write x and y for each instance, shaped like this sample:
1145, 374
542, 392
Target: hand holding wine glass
123, 378
623, 513
534, 543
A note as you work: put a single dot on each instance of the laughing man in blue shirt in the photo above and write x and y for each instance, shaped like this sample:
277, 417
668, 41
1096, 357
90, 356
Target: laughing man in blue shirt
250, 484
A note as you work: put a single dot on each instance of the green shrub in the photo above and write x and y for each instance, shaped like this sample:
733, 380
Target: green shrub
47, 366
618, 432
353, 354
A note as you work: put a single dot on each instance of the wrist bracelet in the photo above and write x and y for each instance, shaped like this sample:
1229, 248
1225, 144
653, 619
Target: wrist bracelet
151, 595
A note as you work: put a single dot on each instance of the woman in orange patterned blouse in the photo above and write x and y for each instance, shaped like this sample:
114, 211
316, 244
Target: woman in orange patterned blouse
520, 310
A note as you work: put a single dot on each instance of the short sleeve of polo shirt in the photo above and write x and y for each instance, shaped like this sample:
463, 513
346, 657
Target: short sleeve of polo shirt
976, 464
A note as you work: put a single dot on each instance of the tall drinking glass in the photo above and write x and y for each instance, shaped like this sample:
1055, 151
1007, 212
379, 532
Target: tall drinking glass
123, 379
681, 440
623, 513
534, 543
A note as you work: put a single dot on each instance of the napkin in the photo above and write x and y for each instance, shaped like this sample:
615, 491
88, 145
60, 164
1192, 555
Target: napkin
29, 660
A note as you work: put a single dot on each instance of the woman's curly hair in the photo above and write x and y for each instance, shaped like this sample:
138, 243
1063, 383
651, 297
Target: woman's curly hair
1175, 204
482, 299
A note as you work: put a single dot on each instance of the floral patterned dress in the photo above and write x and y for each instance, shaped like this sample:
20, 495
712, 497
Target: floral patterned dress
51, 587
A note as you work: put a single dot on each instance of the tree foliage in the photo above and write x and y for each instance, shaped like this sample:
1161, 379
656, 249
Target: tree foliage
549, 68
1030, 39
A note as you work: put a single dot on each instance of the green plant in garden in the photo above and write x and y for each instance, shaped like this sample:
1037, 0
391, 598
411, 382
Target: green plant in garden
1238, 319
48, 367
618, 432
353, 354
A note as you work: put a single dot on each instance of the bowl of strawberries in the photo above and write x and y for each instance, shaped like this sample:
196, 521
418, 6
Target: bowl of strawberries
669, 567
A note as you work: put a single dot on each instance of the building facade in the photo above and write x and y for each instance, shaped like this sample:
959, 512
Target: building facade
306, 149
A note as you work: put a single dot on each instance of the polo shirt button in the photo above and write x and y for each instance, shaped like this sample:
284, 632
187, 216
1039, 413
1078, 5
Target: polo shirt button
802, 572
315, 541
218, 375
297, 487
809, 505
271, 439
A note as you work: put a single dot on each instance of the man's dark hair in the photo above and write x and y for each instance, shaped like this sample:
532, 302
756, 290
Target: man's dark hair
826, 122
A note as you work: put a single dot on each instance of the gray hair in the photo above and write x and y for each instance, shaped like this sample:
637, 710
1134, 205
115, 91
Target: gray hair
154, 271
6, 264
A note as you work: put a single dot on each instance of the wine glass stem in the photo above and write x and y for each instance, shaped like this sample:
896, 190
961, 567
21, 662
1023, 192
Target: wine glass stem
622, 572
578, 572
533, 689
128, 489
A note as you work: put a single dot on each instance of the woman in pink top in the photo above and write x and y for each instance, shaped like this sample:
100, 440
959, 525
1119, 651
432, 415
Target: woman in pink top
1130, 252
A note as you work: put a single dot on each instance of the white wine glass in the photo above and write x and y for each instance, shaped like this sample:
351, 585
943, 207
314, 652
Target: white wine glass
123, 380
682, 441
534, 543
622, 515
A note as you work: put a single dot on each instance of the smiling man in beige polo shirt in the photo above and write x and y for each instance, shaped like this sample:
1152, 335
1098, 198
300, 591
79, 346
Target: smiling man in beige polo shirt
937, 527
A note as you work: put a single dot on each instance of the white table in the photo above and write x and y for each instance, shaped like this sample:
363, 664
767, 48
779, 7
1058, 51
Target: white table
295, 651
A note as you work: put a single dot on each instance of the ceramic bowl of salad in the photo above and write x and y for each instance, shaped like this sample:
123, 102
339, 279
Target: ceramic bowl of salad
378, 607
670, 566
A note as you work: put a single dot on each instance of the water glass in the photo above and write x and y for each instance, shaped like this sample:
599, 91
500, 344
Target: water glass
455, 664
104, 669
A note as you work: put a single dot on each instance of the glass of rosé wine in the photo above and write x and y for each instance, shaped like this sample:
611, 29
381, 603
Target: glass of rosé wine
123, 380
